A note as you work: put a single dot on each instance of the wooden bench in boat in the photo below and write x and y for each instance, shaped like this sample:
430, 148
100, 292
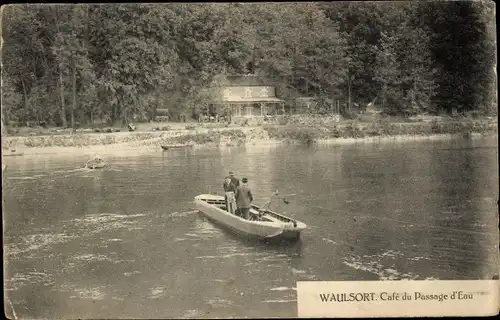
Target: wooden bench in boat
254, 212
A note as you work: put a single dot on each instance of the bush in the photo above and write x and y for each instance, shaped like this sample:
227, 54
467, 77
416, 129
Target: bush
350, 115
435, 127
233, 133
190, 127
353, 130
335, 132
282, 120
380, 127
304, 135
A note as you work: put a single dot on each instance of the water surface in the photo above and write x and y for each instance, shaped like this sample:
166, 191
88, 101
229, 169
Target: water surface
125, 242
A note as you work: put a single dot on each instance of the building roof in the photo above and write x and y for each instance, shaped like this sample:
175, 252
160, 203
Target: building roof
253, 100
247, 80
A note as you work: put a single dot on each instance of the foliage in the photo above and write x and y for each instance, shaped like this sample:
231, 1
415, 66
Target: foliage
381, 128
81, 64
282, 120
304, 135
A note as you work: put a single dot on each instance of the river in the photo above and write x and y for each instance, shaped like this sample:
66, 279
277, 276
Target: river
125, 242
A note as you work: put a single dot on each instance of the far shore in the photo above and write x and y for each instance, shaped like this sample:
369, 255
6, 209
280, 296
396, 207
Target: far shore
154, 145
219, 135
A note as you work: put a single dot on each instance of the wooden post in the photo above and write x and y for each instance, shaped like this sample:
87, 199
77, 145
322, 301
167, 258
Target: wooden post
261, 111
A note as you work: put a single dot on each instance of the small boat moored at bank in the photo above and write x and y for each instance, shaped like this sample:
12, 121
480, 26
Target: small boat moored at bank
264, 224
12, 153
174, 146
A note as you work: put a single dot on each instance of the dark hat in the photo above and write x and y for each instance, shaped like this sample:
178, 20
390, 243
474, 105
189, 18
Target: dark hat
230, 172
244, 180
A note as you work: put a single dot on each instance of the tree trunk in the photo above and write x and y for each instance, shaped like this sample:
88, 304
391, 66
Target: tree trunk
349, 85
73, 107
121, 112
125, 116
4, 130
383, 96
25, 95
61, 94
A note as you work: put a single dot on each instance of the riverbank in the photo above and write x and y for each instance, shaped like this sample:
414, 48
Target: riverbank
351, 132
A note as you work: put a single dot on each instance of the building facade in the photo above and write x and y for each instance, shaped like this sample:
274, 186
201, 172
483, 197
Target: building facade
246, 97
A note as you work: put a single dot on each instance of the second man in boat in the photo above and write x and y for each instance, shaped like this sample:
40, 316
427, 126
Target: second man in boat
244, 199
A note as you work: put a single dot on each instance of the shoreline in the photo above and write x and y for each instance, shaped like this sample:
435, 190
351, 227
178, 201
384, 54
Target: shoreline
147, 146
144, 142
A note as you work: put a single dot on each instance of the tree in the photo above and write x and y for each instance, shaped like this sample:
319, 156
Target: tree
462, 45
404, 70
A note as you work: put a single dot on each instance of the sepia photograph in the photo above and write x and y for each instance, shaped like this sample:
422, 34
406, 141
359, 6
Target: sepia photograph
202, 160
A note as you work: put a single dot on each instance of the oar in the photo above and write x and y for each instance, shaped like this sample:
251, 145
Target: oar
268, 204
275, 193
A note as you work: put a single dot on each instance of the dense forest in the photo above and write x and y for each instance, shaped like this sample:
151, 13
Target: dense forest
75, 64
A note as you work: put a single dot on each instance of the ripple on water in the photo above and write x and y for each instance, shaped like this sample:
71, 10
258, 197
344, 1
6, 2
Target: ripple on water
384, 272
33, 177
96, 223
283, 289
92, 257
192, 313
183, 213
28, 278
226, 256
220, 303
206, 228
35, 242
90, 293
280, 301
297, 271
156, 293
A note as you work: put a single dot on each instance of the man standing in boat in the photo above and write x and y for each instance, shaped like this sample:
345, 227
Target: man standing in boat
244, 199
230, 185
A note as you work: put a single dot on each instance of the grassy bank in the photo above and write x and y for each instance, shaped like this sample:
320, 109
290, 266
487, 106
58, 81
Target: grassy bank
239, 136
200, 136
381, 128
215, 137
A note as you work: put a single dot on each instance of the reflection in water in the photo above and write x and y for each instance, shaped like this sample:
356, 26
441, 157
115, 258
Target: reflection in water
126, 242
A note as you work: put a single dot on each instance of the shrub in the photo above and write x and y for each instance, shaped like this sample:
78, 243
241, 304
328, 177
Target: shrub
282, 120
350, 115
304, 135
435, 127
353, 130
335, 132
233, 133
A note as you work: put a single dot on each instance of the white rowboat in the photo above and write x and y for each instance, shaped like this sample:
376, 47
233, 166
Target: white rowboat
95, 164
266, 225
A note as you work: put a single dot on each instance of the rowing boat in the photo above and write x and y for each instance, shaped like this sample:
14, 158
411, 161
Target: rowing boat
173, 146
264, 224
95, 164
12, 153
